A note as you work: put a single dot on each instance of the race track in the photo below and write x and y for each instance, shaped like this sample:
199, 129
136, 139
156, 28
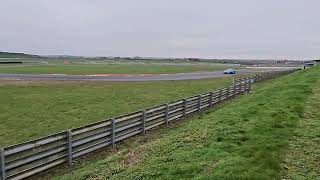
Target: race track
120, 77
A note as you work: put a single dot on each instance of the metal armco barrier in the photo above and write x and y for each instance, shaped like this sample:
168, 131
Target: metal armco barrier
27, 159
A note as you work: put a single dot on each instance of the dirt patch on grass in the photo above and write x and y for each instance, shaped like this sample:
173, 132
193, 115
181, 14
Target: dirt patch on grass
13, 82
132, 158
25, 83
42, 82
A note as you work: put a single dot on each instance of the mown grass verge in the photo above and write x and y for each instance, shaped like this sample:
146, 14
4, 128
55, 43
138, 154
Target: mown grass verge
245, 140
34, 109
303, 158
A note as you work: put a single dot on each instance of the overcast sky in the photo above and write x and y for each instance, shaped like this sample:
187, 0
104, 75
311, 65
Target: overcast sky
163, 28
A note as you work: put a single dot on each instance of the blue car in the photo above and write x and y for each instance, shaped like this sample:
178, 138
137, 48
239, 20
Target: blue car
229, 71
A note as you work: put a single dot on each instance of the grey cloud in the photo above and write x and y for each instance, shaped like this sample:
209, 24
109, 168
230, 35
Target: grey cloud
166, 28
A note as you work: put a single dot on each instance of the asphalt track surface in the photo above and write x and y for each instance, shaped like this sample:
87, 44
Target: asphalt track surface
121, 77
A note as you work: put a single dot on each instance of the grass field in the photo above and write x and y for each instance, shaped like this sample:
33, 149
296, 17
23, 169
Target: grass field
246, 138
34, 109
108, 69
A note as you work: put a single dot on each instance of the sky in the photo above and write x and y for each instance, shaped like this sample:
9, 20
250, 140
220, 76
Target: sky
255, 29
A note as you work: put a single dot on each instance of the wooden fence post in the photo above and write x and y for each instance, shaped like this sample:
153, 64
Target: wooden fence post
184, 108
245, 85
211, 99
199, 103
220, 95
228, 92
113, 132
2, 165
234, 90
240, 85
69, 139
167, 114
143, 120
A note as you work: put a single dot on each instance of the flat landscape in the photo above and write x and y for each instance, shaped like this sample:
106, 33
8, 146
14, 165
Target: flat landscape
173, 90
260, 135
52, 106
252, 137
32, 109
109, 68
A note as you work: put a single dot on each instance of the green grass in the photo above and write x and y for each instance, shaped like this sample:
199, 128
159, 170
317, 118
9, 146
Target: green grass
303, 157
246, 139
33, 109
107, 69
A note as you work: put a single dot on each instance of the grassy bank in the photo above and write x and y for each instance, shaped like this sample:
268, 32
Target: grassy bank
246, 139
107, 69
34, 109
303, 157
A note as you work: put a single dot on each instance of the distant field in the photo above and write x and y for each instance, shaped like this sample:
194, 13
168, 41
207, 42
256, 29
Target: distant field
106, 69
32, 65
33, 109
